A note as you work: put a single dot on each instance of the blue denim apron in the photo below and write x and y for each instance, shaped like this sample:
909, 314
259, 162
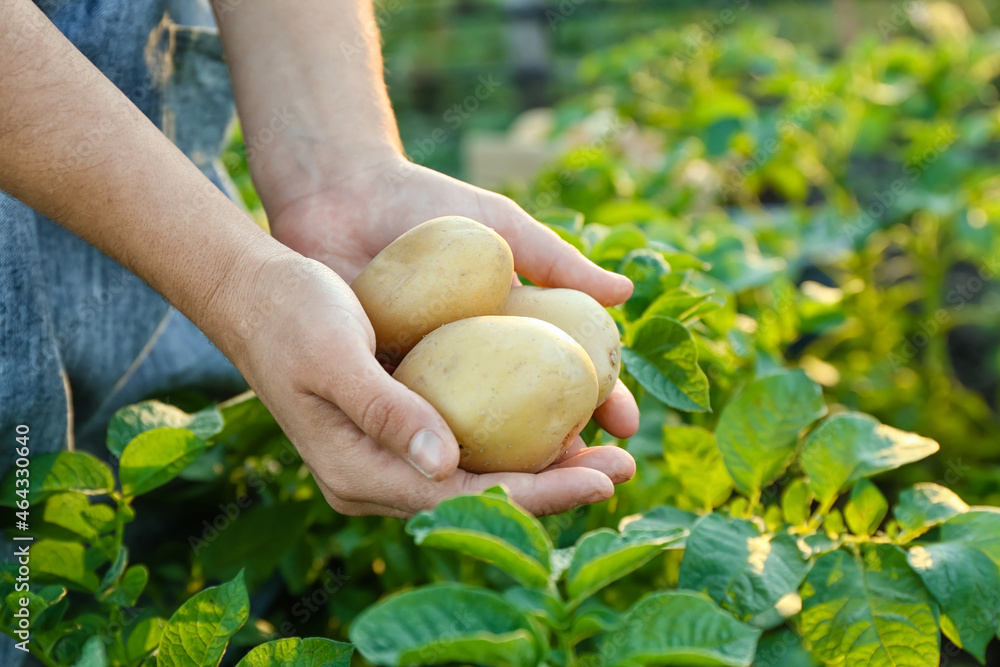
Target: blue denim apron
80, 335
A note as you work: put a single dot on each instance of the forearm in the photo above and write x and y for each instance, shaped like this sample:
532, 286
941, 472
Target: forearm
75, 149
310, 92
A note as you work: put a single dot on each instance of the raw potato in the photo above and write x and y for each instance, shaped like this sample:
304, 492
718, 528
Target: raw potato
514, 390
440, 271
581, 317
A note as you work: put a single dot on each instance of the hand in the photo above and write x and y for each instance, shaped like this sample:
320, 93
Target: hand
350, 221
308, 351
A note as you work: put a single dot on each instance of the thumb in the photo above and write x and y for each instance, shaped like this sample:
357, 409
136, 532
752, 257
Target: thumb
392, 415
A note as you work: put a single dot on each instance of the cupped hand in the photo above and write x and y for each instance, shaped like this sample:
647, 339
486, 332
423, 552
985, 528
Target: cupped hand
351, 219
373, 446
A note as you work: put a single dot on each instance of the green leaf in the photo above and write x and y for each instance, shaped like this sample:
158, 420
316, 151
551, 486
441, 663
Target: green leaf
539, 603
37, 603
132, 420
255, 540
680, 305
627, 244
796, 502
849, 446
833, 523
72, 510
978, 528
295, 652
489, 528
782, 648
115, 571
47, 607
679, 628
93, 654
870, 609
964, 582
145, 637
773, 521
198, 633
865, 509
694, 459
663, 358
603, 556
127, 590
593, 617
743, 570
155, 457
65, 562
445, 623
927, 505
210, 466
758, 429
59, 471
659, 521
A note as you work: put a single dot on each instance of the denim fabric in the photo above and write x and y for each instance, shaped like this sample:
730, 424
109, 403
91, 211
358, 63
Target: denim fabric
81, 336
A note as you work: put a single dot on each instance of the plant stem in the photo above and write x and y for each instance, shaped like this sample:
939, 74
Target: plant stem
44, 659
908, 536
866, 539
119, 521
568, 648
817, 518
754, 502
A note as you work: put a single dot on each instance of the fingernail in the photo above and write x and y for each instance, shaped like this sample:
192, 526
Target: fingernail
427, 453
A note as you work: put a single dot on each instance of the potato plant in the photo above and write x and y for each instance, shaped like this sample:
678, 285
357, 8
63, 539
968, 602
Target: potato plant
851, 590
83, 600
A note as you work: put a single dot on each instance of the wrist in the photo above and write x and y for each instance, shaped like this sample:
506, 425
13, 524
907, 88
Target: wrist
229, 311
301, 166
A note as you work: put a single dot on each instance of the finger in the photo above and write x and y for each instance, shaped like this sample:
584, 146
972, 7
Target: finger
613, 461
348, 508
551, 491
619, 414
399, 490
545, 259
390, 414
575, 447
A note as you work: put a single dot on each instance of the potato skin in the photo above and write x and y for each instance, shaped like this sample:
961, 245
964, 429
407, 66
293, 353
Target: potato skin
442, 270
580, 316
514, 390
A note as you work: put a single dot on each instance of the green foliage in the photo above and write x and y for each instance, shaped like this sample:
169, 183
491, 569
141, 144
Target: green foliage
155, 457
869, 607
78, 519
295, 652
445, 623
59, 471
132, 420
742, 568
758, 430
490, 529
198, 632
679, 628
849, 447
661, 355
602, 556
